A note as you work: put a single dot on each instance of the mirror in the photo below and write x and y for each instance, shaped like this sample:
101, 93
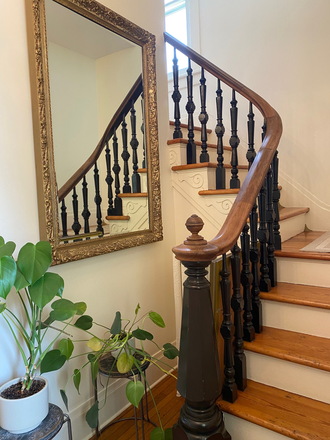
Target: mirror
93, 87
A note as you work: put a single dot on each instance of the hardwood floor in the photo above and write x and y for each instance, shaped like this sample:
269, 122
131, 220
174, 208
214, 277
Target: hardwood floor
168, 405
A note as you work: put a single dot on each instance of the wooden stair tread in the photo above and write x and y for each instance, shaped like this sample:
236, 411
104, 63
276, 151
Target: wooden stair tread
286, 413
312, 296
186, 126
311, 351
286, 213
198, 143
123, 195
214, 192
117, 217
291, 248
194, 166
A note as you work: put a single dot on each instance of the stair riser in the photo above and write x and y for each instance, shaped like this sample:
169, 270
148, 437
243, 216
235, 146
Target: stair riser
240, 429
178, 154
296, 318
289, 376
303, 271
292, 226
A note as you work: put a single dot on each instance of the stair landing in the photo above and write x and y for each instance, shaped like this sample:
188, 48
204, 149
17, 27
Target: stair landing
288, 414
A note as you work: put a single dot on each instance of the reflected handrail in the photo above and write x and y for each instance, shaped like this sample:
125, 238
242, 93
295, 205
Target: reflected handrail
134, 93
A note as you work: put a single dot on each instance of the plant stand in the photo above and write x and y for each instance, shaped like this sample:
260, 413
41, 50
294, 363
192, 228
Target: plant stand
47, 429
106, 365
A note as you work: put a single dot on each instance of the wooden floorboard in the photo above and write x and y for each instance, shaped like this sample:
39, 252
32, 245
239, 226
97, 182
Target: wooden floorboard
168, 405
300, 348
312, 296
288, 414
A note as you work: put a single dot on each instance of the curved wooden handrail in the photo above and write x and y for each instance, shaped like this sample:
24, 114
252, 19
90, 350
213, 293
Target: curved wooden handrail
252, 184
116, 120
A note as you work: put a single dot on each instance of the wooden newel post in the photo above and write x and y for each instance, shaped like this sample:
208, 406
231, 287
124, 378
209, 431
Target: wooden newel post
199, 370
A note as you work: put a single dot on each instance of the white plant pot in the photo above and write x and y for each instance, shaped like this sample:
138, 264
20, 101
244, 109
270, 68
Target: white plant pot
22, 415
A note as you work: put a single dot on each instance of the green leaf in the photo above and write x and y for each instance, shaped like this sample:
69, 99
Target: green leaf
95, 343
46, 323
34, 260
20, 282
53, 361
160, 434
125, 363
95, 368
46, 288
157, 319
142, 335
116, 326
65, 399
84, 322
76, 379
81, 308
62, 309
66, 347
134, 392
91, 357
7, 275
171, 352
7, 249
2, 241
2, 307
137, 309
92, 415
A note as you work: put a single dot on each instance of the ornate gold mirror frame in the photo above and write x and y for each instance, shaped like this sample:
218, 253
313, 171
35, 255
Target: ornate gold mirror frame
43, 138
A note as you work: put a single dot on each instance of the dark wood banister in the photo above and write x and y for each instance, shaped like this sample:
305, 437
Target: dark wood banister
246, 197
116, 120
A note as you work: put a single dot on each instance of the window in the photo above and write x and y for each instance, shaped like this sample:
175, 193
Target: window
176, 25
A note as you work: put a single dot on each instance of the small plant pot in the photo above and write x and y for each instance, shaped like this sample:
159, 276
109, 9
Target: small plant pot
23, 415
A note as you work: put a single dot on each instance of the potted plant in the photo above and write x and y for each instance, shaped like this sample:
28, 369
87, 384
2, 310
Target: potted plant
116, 340
35, 288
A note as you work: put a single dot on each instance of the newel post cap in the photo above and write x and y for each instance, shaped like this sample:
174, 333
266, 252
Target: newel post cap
195, 248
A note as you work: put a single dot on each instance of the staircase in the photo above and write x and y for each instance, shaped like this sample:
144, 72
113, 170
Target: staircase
288, 363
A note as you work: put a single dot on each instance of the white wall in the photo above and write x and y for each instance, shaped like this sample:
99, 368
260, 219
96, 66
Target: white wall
279, 48
73, 89
108, 283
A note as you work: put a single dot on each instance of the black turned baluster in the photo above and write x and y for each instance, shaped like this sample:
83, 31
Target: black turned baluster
190, 107
85, 214
144, 161
237, 306
234, 142
199, 374
276, 198
251, 153
64, 218
220, 173
176, 96
136, 179
229, 389
203, 118
109, 180
76, 225
125, 156
263, 235
254, 258
270, 217
98, 200
116, 169
246, 280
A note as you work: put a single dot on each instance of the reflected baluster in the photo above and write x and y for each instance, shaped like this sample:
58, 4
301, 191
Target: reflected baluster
85, 214
98, 200
125, 156
220, 173
76, 225
203, 118
64, 218
116, 169
109, 180
144, 161
136, 180
190, 108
